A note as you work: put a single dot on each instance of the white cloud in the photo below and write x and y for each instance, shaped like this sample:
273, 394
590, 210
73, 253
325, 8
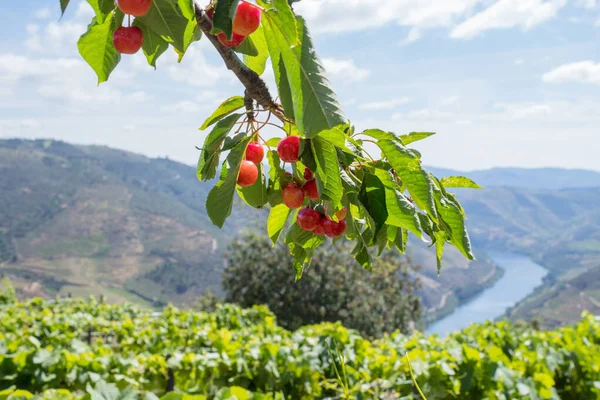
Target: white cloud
515, 111
195, 69
356, 15
43, 13
579, 72
508, 14
588, 3
345, 70
11, 128
184, 106
385, 105
55, 38
519, 61
450, 100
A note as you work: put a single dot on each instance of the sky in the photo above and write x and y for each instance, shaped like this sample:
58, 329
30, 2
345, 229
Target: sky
501, 82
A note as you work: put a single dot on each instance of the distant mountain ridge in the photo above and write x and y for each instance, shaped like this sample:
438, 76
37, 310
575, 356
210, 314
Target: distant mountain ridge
530, 178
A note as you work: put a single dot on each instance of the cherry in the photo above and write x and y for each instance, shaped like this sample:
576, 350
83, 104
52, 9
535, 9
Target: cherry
310, 190
319, 231
248, 174
235, 41
308, 219
293, 196
247, 19
128, 40
255, 152
210, 13
308, 175
289, 149
137, 8
334, 229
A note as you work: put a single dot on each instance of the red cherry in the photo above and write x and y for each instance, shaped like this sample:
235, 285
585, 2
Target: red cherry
235, 41
210, 13
247, 19
334, 229
248, 174
289, 149
137, 8
308, 175
319, 229
293, 196
128, 40
308, 219
310, 190
255, 152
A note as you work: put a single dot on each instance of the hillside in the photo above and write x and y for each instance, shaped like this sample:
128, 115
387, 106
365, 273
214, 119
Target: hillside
90, 220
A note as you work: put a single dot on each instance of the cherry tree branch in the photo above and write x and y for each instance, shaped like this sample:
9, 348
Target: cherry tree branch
256, 88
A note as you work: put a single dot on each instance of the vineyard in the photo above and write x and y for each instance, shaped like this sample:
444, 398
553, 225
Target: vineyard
76, 349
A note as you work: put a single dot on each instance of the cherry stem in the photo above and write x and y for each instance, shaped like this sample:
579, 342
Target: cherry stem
129, 20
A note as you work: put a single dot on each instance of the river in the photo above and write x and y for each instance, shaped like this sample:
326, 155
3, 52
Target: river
521, 277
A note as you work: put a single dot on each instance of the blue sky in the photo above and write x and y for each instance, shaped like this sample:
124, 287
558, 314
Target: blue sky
502, 82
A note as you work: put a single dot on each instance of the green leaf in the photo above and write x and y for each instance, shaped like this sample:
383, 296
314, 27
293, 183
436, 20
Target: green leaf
459, 182
451, 214
280, 16
255, 195
273, 142
328, 171
247, 47
372, 196
209, 158
258, 63
336, 136
192, 34
415, 136
219, 202
440, 241
97, 49
102, 8
401, 212
276, 221
408, 168
229, 106
63, 7
380, 135
166, 19
154, 45
223, 17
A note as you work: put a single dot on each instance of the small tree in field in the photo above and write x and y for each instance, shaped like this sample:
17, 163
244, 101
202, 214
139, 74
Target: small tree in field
336, 188
330, 290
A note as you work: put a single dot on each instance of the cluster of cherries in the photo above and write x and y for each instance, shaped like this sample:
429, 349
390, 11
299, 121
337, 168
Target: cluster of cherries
245, 22
293, 195
129, 39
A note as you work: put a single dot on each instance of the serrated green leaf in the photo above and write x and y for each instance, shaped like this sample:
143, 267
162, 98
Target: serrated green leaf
372, 196
227, 107
279, 14
459, 182
102, 8
154, 45
247, 48
378, 134
276, 221
415, 136
276, 175
166, 19
440, 241
192, 34
258, 63
273, 142
211, 150
414, 178
219, 202
255, 195
223, 17
63, 6
451, 214
97, 49
336, 136
328, 171
402, 213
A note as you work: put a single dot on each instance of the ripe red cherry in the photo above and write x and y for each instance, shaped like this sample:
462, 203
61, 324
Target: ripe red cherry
255, 152
308, 219
128, 40
248, 174
310, 190
235, 41
137, 8
210, 13
308, 175
247, 19
289, 149
319, 231
293, 196
334, 229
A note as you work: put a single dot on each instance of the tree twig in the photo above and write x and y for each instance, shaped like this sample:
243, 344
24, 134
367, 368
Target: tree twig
256, 88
